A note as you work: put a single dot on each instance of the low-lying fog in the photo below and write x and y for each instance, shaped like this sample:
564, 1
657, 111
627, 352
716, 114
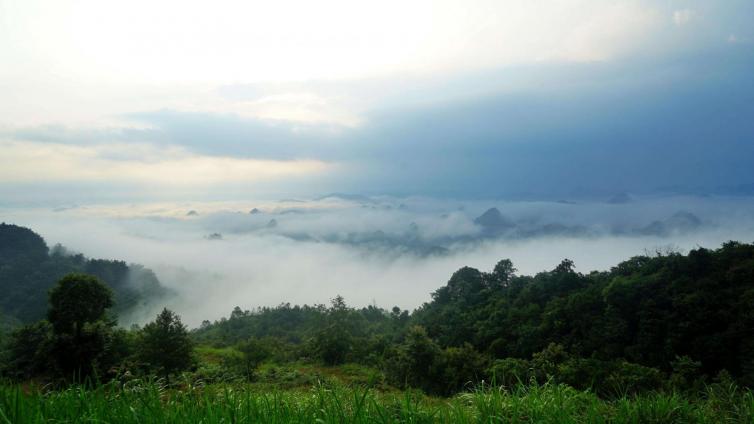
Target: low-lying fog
383, 250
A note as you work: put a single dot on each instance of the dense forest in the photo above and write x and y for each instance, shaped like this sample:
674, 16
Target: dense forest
645, 323
651, 323
29, 268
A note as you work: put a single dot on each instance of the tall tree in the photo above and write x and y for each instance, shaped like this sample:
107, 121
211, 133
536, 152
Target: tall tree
334, 342
254, 353
81, 328
165, 346
76, 300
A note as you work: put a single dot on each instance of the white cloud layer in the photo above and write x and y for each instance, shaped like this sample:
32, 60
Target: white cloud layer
238, 41
88, 61
256, 266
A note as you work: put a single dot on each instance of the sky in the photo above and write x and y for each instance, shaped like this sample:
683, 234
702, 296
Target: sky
142, 101
370, 136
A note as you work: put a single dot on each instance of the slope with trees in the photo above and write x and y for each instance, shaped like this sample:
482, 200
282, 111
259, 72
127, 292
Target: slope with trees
28, 269
646, 321
668, 321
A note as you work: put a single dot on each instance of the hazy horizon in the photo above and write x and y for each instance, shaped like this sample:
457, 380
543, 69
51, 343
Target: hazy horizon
385, 250
374, 135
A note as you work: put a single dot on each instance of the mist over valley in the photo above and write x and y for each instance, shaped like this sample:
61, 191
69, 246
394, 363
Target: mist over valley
381, 250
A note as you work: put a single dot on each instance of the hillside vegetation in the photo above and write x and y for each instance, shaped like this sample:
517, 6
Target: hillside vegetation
28, 269
662, 338
647, 321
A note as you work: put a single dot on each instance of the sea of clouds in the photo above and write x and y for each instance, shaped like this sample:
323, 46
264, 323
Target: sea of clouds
372, 250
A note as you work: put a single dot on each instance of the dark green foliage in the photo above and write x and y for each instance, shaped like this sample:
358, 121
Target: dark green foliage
416, 362
80, 327
333, 335
76, 343
119, 353
164, 346
20, 244
291, 324
76, 300
612, 378
29, 351
649, 323
669, 322
509, 372
77, 355
647, 311
253, 352
419, 362
686, 374
463, 368
333, 343
79, 342
28, 270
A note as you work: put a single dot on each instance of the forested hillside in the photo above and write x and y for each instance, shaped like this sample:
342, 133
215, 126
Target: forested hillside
668, 321
689, 317
645, 310
28, 269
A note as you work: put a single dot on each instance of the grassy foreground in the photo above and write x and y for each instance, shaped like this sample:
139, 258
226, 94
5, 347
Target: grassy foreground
152, 403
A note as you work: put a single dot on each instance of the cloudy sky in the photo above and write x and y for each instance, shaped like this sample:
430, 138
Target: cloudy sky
601, 130
142, 100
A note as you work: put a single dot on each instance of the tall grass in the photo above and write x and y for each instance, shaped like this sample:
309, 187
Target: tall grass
152, 402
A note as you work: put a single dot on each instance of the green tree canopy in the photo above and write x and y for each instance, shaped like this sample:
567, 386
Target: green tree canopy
78, 299
164, 345
80, 326
254, 353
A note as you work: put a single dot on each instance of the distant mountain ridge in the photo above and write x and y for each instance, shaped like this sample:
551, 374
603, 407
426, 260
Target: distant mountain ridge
493, 221
347, 196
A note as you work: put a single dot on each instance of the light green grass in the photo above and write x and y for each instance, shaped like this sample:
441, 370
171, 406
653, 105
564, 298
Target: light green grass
217, 355
139, 402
